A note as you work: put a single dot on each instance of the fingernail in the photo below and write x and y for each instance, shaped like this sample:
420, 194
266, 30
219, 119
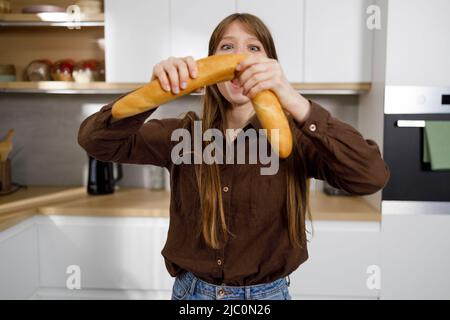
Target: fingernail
176, 90
238, 68
194, 74
167, 88
183, 85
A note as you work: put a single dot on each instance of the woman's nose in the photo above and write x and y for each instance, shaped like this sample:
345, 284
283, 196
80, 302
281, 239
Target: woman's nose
239, 49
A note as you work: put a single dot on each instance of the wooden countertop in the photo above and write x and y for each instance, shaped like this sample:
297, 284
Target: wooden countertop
25, 202
141, 202
133, 202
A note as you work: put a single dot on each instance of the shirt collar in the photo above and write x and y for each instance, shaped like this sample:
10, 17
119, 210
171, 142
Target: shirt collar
253, 122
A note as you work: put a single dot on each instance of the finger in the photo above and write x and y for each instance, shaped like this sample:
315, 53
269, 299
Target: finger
161, 75
183, 73
253, 81
173, 76
192, 66
249, 61
261, 86
251, 71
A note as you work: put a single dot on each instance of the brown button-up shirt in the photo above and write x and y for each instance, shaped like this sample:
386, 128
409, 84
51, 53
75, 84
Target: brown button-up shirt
260, 250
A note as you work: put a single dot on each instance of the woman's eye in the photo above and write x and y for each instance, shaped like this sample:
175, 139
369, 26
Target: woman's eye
225, 46
254, 47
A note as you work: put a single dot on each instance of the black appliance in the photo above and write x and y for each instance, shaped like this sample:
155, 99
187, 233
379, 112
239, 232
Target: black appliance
413, 186
103, 176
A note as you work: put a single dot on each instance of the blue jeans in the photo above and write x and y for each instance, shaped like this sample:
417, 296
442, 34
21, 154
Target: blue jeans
188, 287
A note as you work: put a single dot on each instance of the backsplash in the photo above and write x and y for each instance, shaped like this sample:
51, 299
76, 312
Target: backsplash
46, 151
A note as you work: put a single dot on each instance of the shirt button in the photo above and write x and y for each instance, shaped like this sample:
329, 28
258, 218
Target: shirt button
225, 189
312, 127
219, 262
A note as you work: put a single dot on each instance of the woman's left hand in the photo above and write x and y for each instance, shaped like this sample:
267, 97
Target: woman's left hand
258, 73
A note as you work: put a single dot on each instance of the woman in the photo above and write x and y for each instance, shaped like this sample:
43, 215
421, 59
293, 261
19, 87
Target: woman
235, 233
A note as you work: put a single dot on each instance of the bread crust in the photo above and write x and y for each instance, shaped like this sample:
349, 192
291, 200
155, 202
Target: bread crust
212, 70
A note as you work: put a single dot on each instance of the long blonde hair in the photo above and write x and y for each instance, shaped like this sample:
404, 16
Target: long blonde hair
212, 224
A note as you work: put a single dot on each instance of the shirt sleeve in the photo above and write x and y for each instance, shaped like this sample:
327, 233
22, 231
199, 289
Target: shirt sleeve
128, 140
336, 152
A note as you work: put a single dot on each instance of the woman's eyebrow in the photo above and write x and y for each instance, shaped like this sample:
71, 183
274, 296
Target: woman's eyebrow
231, 37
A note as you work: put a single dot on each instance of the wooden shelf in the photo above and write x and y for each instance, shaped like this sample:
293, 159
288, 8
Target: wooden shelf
52, 19
61, 87
332, 88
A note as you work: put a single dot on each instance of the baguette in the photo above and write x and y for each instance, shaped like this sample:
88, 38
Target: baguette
212, 70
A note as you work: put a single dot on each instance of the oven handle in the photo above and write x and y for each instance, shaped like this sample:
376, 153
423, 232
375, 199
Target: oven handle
411, 123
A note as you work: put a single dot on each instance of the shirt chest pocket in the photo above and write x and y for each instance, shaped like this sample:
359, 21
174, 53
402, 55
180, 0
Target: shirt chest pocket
268, 198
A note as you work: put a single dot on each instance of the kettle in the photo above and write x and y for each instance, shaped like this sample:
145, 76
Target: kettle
101, 178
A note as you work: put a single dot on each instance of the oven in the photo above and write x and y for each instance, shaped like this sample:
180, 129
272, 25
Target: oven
413, 187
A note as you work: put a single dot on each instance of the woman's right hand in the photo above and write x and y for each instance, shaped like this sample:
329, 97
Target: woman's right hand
173, 73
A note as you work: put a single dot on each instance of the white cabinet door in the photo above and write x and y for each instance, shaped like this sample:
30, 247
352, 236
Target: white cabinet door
285, 21
415, 256
418, 47
338, 44
192, 23
343, 257
136, 38
111, 252
19, 261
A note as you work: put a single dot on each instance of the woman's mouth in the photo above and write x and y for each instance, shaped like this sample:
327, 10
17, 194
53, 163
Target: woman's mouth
236, 84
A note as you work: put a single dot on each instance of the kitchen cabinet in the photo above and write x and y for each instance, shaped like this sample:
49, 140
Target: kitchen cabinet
112, 253
192, 23
415, 256
319, 41
116, 241
418, 43
137, 36
337, 42
145, 32
120, 257
342, 255
123, 255
19, 261
285, 21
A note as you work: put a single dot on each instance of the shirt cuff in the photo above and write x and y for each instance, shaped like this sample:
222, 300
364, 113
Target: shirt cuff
316, 121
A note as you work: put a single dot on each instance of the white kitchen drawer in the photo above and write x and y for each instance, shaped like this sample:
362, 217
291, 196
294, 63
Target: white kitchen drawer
111, 252
340, 253
19, 266
415, 256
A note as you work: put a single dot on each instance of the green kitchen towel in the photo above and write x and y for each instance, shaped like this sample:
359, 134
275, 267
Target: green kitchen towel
436, 144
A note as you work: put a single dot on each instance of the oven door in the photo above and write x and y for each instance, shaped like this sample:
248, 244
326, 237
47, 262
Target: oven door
411, 179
